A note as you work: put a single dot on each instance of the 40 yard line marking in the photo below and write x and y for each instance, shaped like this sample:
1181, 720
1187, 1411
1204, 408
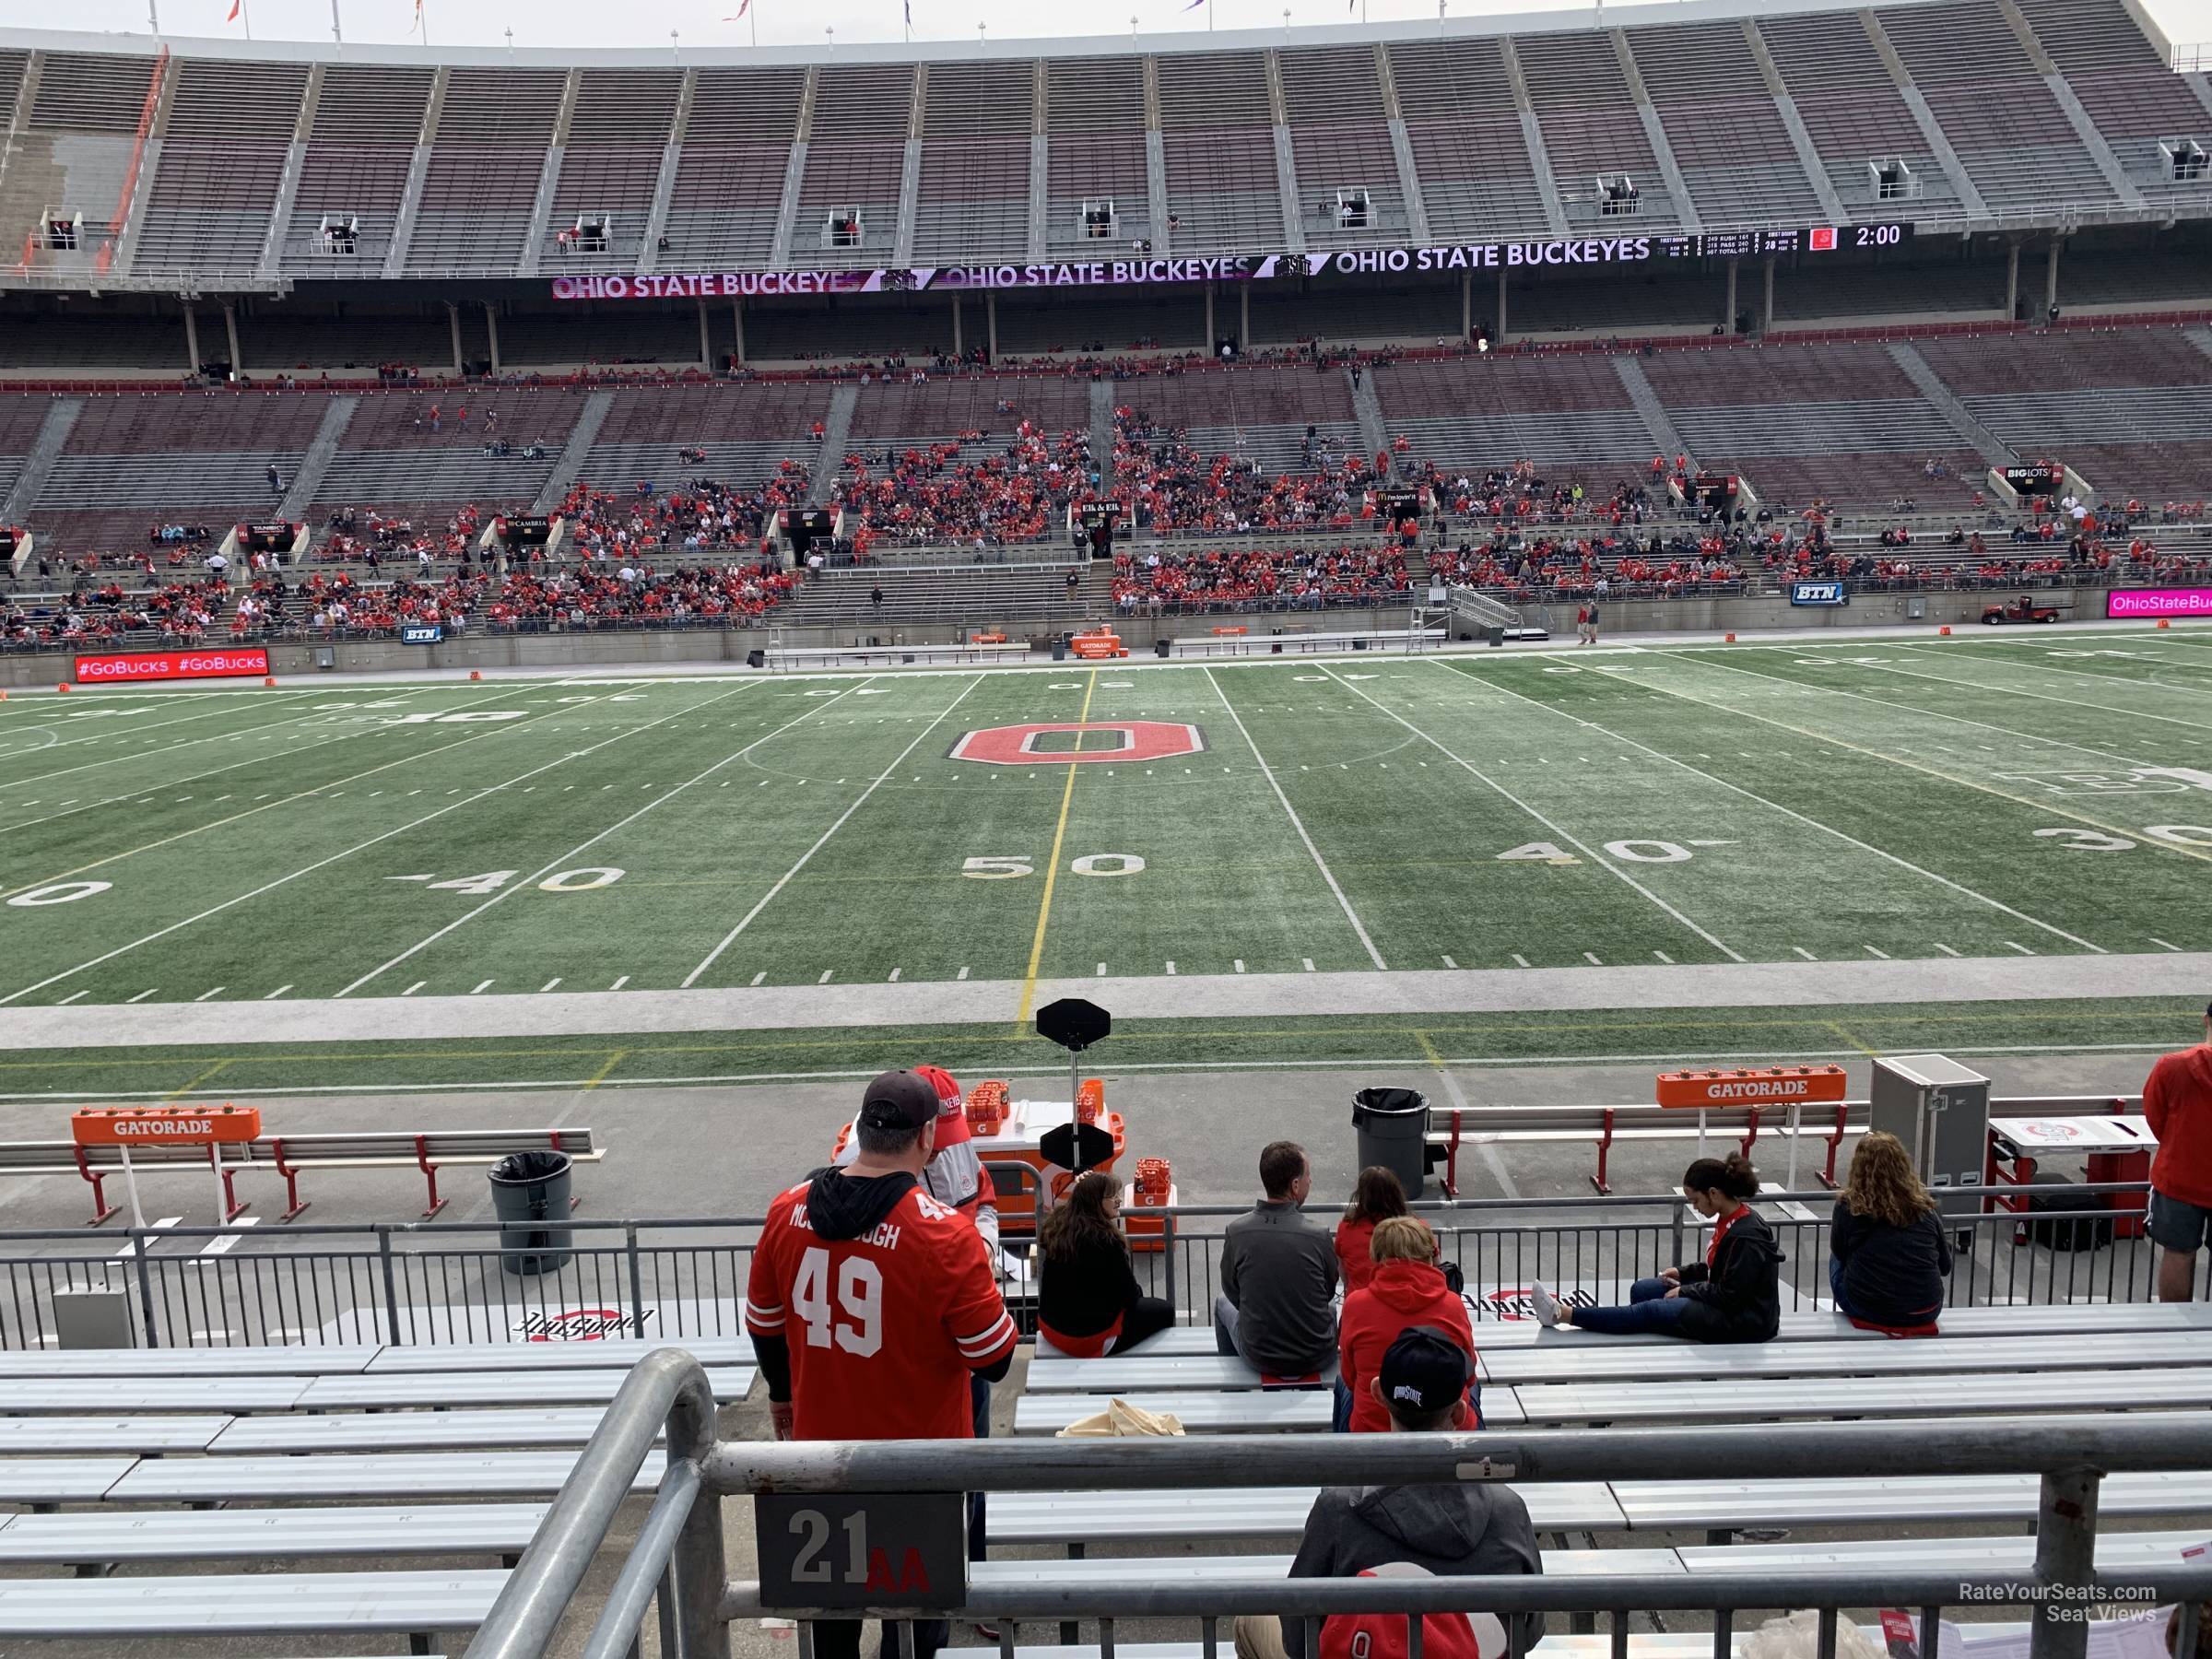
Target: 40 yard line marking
1051, 873
767, 898
319, 863
1320, 863
1476, 773
576, 852
1776, 805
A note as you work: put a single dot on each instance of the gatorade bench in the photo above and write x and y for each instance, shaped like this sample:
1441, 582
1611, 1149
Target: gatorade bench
288, 1155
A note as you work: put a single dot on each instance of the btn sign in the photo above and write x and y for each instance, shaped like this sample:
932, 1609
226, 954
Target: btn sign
1050, 743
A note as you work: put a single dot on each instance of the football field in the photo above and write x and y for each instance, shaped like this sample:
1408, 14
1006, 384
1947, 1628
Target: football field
2035, 794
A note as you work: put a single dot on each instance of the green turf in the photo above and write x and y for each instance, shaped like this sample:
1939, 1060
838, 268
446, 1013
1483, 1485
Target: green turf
1656, 1037
1833, 801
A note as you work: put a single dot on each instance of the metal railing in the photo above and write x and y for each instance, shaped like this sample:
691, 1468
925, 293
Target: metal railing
2069, 1456
436, 1283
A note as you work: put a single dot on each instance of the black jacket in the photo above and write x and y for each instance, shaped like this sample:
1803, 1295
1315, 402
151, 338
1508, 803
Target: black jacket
1736, 1299
1086, 1293
1892, 1276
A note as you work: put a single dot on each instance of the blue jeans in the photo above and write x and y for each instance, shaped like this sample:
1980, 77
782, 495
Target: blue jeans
1649, 1309
1835, 1288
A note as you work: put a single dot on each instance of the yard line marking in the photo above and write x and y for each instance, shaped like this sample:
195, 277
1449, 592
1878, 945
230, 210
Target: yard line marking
1802, 951
204, 995
224, 1246
1297, 824
2161, 943
549, 983
272, 995
130, 1250
1052, 868
251, 811
309, 870
1946, 950
2022, 949
580, 848
1520, 961
151, 989
1484, 778
481, 988
418, 986
861, 800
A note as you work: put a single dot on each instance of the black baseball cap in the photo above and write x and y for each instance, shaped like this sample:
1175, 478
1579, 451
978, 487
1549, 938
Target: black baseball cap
900, 1100
1423, 1370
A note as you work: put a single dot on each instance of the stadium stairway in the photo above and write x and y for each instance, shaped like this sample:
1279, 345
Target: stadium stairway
307, 478
38, 465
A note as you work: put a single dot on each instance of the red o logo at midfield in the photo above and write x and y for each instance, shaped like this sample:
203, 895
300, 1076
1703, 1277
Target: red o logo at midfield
1019, 745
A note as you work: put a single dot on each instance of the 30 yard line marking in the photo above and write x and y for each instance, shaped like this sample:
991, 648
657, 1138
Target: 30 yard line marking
1475, 772
2003, 795
861, 800
1297, 823
580, 848
1789, 812
307, 870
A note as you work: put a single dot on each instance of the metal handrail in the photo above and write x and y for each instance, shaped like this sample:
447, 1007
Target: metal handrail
647, 1569
666, 1390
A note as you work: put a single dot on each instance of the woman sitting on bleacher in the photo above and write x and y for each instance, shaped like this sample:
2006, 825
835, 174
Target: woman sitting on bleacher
1088, 1302
1378, 1196
1887, 1254
1731, 1296
1407, 1288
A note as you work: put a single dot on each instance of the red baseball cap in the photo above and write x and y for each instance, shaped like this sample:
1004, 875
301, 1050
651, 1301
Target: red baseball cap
952, 1117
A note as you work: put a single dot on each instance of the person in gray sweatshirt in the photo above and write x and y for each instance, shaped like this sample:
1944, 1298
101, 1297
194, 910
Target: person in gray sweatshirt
1455, 1529
1278, 1275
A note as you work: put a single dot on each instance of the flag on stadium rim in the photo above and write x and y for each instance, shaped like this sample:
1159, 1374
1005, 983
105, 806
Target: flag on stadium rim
232, 16
743, 7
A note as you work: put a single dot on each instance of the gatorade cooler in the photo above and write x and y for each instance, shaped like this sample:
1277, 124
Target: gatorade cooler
1154, 1190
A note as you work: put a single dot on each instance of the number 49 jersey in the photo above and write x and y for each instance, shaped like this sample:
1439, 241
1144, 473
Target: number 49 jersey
883, 1328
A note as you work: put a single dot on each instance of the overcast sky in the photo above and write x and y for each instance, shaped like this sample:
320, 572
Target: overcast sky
564, 23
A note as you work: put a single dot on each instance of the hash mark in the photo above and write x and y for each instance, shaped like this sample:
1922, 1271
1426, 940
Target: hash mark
825, 978
418, 986
1450, 963
481, 989
1873, 952
549, 985
206, 994
144, 994
1590, 956
72, 997
272, 995
2164, 946
2022, 949
1521, 960
619, 983
1171, 969
1802, 951
1946, 950
961, 974
1665, 958
1240, 964
894, 979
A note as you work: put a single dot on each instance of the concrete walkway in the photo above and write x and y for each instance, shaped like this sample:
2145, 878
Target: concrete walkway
1219, 997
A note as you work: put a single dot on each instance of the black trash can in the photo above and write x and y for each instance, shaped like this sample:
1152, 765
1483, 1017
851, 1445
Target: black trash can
530, 1191
1391, 1125
1059, 647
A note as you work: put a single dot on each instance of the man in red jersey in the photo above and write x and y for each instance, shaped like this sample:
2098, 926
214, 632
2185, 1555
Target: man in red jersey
871, 1304
2177, 1104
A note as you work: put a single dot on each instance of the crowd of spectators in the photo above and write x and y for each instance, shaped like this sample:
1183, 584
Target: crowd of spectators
1172, 488
1153, 584
175, 613
966, 487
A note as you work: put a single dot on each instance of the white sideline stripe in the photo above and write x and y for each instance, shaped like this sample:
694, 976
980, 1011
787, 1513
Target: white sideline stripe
346, 853
1903, 864
222, 1246
781, 881
1801, 818
1297, 824
1474, 771
130, 1250
539, 875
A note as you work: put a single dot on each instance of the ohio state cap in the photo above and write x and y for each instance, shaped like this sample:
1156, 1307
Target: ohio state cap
899, 1100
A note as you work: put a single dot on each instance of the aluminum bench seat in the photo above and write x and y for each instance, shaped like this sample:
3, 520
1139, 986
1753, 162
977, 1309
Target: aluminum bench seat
1249, 1411
1942, 1395
26, 1436
61, 1479
300, 1360
618, 1354
202, 1395
521, 1429
255, 1534
246, 1604
2116, 1552
1745, 1363
1240, 1512
544, 1386
1201, 1570
1145, 1372
1657, 1505
314, 1479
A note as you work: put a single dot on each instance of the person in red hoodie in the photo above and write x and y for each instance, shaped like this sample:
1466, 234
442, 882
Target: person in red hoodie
1408, 1289
2177, 1104
1378, 1196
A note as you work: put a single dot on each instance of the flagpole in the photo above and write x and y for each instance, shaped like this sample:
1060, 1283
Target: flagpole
336, 33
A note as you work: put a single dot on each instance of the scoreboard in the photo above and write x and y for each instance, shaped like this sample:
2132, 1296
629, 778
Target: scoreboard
1812, 239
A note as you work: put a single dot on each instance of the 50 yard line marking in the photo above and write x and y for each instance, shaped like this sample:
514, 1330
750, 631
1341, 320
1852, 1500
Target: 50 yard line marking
1052, 870
1775, 806
1319, 862
746, 920
1604, 864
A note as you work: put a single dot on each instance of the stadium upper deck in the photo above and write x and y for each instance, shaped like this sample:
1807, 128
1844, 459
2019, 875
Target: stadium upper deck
241, 168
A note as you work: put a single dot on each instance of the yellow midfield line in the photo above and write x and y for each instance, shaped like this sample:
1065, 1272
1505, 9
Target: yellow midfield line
1052, 869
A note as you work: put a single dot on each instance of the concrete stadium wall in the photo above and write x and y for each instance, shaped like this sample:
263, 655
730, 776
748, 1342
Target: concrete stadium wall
560, 653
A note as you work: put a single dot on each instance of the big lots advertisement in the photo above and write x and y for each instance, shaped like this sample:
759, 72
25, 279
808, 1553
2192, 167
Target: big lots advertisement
135, 665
